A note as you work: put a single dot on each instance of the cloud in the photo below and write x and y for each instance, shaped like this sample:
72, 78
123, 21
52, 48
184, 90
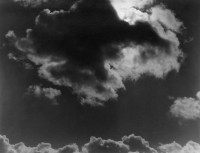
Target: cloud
190, 147
137, 143
31, 3
12, 57
39, 4
126, 4
128, 144
39, 91
98, 145
95, 46
186, 108
11, 35
131, 9
166, 17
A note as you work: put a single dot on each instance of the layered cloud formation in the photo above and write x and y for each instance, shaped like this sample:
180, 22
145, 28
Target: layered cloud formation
128, 144
186, 108
96, 45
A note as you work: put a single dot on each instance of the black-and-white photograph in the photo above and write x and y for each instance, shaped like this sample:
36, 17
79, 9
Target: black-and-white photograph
99, 76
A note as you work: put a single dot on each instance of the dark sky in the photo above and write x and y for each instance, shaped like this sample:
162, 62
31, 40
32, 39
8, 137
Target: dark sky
143, 108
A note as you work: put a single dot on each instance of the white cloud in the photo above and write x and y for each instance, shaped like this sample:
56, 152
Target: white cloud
100, 145
128, 144
11, 35
39, 91
32, 3
137, 143
190, 147
124, 6
186, 108
160, 13
161, 18
156, 62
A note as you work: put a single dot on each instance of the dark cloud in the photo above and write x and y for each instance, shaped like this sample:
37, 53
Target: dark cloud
91, 49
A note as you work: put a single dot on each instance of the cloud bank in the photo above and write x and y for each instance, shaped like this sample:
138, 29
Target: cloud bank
186, 108
128, 144
96, 45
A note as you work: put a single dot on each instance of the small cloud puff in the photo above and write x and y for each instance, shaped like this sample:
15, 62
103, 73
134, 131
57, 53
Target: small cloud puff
186, 108
39, 91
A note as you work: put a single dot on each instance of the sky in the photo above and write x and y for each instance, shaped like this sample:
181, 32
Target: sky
99, 76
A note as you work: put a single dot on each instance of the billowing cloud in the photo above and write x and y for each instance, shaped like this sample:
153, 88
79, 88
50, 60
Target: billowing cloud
128, 144
190, 147
137, 143
186, 108
95, 46
126, 4
99, 145
39, 91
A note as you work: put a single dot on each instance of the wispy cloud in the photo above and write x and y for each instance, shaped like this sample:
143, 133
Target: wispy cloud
39, 91
31, 3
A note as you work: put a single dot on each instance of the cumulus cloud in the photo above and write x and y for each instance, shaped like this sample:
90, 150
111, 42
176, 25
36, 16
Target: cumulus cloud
97, 45
186, 108
99, 145
190, 147
137, 143
128, 144
39, 91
